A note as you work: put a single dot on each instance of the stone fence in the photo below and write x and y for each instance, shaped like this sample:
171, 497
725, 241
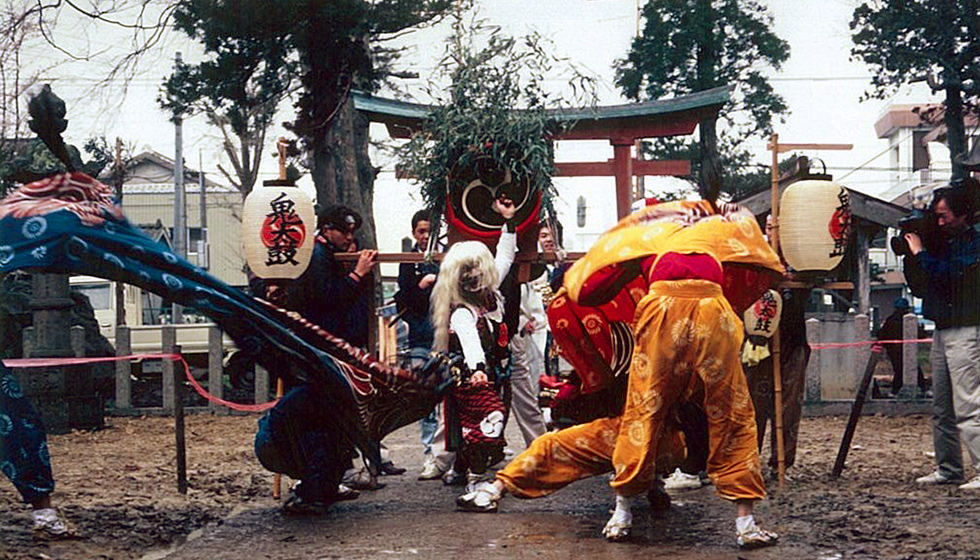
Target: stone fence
841, 345
832, 379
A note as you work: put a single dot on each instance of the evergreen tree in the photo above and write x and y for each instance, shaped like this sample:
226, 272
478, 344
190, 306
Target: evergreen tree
238, 87
937, 42
326, 48
693, 45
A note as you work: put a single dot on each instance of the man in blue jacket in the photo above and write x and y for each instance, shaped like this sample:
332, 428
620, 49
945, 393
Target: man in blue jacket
945, 273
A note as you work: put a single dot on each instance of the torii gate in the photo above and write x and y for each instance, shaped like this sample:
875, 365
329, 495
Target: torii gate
622, 125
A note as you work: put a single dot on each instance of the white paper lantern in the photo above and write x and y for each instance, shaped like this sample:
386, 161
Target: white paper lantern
762, 317
279, 227
814, 224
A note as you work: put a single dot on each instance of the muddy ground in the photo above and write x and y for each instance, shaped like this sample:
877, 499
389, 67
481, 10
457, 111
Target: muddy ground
118, 486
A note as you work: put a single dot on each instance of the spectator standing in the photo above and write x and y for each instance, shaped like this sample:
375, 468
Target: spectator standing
944, 273
892, 329
415, 282
527, 349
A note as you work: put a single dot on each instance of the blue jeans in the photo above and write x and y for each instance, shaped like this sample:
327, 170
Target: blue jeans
417, 357
24, 457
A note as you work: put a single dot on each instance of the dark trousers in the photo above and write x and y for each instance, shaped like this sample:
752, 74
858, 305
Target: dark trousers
897, 359
24, 457
298, 438
793, 361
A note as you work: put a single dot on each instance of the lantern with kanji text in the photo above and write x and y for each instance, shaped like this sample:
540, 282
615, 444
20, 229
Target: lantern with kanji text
814, 224
279, 227
762, 317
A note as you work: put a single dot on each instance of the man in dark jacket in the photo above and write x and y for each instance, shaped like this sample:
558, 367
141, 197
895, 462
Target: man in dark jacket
415, 281
296, 437
945, 273
330, 293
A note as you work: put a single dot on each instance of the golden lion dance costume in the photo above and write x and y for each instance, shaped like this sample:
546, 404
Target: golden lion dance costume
696, 259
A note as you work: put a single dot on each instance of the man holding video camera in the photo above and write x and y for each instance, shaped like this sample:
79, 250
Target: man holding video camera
943, 268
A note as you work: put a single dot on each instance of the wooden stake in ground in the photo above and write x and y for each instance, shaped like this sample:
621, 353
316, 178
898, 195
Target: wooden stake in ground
178, 373
862, 393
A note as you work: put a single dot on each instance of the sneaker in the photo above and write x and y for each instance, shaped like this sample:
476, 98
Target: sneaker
937, 478
50, 525
973, 484
682, 481
430, 470
756, 538
483, 499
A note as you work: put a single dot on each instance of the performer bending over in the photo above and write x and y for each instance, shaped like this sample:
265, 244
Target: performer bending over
687, 350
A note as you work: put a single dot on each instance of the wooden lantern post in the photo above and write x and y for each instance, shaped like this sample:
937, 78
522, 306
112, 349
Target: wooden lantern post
777, 381
280, 383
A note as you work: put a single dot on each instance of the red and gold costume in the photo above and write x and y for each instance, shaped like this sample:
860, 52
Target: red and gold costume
698, 262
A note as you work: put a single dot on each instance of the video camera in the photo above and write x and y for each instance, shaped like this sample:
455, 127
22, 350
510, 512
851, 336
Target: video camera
919, 222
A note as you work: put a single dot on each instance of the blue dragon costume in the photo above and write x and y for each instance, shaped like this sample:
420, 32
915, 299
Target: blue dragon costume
71, 224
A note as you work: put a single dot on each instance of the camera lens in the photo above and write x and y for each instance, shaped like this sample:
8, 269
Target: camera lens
900, 246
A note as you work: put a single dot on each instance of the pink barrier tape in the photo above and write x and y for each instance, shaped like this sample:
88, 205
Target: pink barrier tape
865, 343
48, 362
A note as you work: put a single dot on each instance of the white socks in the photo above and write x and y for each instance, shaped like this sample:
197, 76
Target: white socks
744, 524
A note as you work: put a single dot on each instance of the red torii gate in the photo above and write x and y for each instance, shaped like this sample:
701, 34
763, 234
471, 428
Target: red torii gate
622, 125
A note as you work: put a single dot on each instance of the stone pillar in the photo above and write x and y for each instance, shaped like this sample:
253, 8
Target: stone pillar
124, 369
215, 369
168, 336
910, 357
862, 353
814, 333
261, 384
64, 395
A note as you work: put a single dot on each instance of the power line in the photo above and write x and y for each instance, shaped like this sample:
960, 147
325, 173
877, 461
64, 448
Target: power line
821, 79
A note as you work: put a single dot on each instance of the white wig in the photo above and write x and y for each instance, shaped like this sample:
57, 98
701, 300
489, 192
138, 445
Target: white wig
466, 259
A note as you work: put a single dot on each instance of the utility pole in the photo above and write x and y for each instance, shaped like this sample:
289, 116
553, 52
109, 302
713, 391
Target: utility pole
180, 204
120, 179
203, 249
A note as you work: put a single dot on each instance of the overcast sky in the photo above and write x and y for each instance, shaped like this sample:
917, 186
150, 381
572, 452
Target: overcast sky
821, 85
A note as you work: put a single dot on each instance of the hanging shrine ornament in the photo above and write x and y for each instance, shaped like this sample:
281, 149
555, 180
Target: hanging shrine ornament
474, 183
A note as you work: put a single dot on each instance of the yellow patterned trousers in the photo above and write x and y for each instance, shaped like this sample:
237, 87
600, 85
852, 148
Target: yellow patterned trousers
687, 345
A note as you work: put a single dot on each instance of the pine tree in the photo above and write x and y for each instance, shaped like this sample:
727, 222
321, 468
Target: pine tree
693, 45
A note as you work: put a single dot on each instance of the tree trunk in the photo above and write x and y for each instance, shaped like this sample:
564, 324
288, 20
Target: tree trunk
709, 173
955, 131
342, 171
709, 183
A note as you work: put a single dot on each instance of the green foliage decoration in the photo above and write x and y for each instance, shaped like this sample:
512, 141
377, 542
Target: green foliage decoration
496, 105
